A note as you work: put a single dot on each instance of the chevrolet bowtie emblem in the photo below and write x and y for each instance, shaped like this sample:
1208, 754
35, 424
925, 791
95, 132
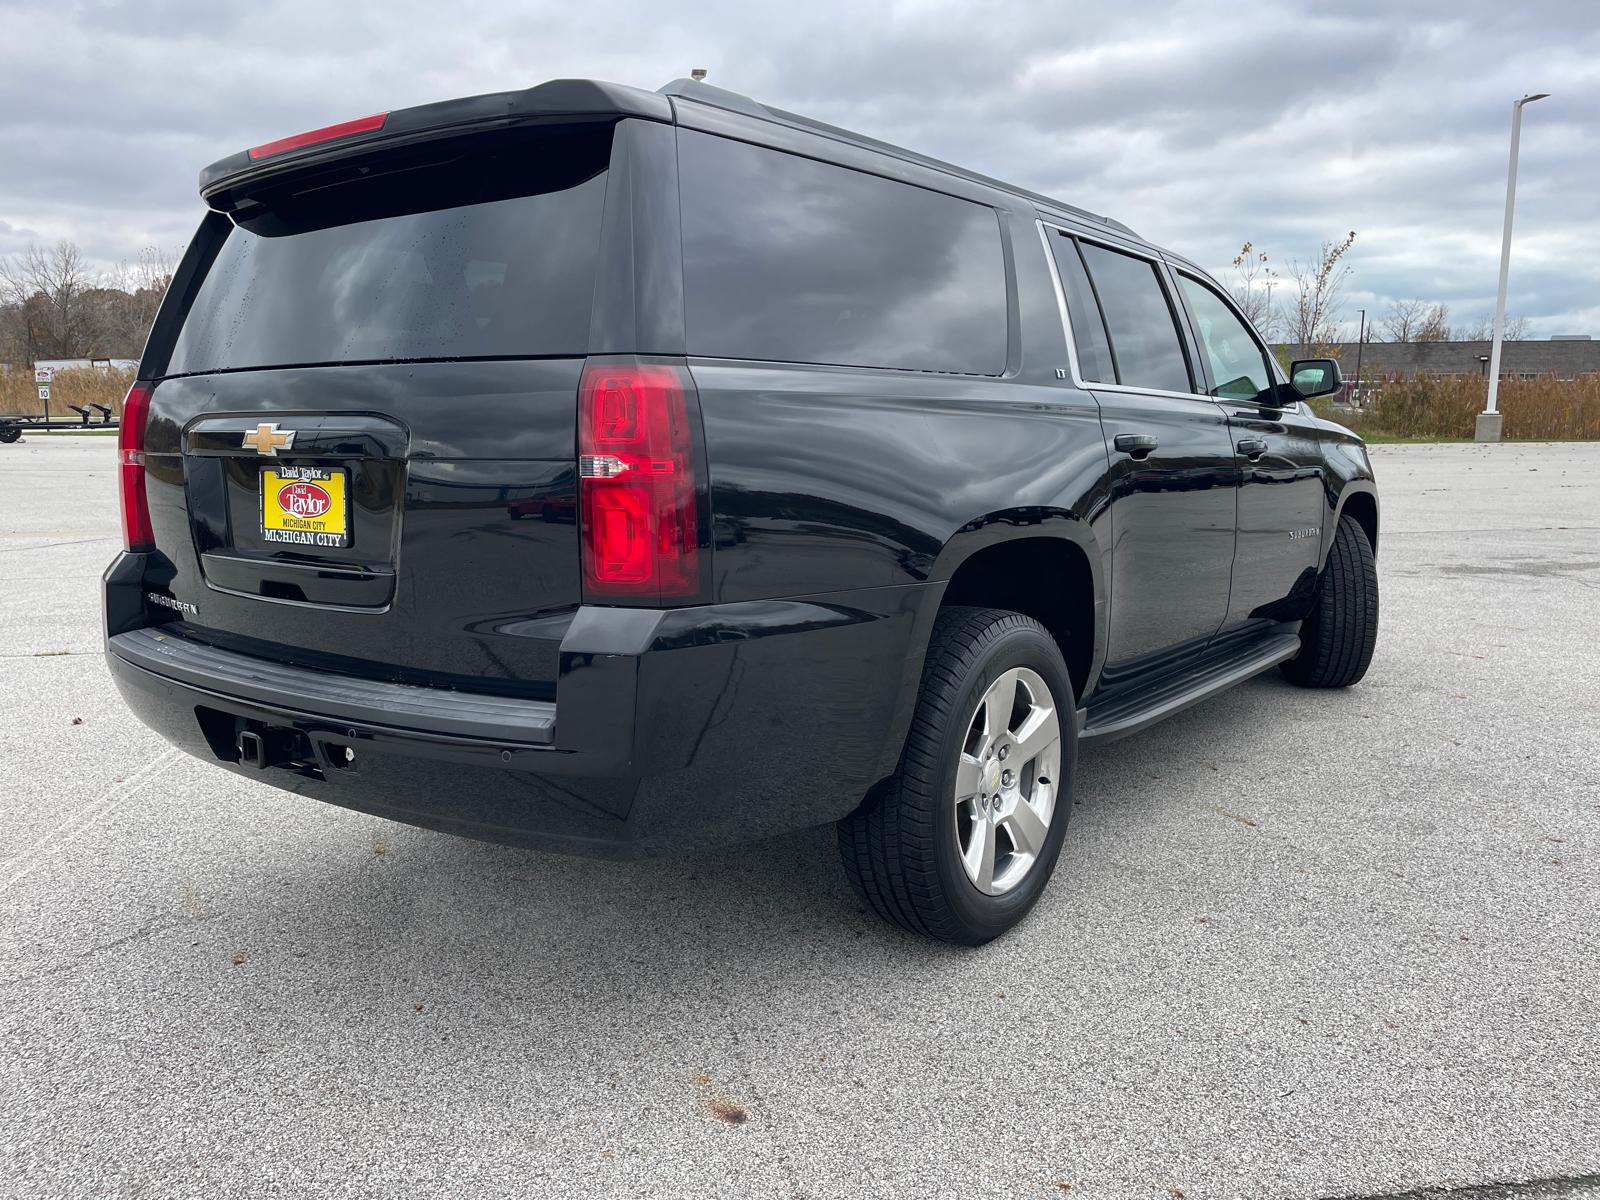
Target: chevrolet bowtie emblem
267, 440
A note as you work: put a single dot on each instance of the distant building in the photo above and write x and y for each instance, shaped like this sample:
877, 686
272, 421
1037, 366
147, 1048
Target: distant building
1566, 357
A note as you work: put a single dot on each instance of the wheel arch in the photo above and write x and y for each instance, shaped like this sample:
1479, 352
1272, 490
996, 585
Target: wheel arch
1360, 502
978, 566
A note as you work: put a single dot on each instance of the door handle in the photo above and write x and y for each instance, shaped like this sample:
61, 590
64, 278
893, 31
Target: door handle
1253, 448
1136, 445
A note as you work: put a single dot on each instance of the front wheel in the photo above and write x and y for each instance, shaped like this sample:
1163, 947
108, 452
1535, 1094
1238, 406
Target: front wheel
961, 842
1337, 639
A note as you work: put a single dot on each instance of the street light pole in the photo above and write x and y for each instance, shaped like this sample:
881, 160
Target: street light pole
1361, 344
1489, 420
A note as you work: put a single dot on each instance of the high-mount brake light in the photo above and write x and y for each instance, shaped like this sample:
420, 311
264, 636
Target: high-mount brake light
137, 534
636, 482
327, 133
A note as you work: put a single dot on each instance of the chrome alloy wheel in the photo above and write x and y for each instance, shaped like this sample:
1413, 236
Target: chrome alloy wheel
1006, 781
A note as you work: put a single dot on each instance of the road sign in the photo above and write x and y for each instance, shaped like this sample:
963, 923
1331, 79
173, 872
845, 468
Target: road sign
44, 391
43, 375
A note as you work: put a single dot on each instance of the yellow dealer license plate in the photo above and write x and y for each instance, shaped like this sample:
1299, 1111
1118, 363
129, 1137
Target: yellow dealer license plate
305, 506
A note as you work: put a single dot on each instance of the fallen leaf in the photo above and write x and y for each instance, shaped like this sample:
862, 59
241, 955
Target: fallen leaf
238, 960
416, 1008
77, 720
1442, 738
1556, 840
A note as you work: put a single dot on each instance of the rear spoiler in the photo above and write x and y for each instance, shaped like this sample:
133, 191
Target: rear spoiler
558, 100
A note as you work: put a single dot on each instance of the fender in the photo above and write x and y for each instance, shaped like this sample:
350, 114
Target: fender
1349, 479
976, 536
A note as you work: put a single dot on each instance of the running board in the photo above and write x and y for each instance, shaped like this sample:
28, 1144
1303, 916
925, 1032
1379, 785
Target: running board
1125, 715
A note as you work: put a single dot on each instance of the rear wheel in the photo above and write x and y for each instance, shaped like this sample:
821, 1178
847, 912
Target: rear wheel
960, 844
1337, 639
10, 433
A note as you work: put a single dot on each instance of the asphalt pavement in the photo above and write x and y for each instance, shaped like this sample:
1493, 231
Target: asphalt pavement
1299, 944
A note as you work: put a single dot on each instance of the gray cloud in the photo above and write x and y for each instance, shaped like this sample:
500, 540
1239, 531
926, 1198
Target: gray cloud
1201, 124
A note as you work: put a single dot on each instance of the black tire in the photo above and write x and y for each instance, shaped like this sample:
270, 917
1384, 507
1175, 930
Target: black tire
902, 849
10, 434
1337, 639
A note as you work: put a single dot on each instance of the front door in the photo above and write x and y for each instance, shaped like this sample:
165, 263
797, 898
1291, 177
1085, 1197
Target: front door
1282, 492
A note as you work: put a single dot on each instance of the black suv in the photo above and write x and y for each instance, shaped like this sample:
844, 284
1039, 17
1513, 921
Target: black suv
613, 471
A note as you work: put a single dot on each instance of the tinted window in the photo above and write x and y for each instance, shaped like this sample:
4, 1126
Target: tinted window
410, 260
1144, 337
790, 260
1238, 365
1088, 330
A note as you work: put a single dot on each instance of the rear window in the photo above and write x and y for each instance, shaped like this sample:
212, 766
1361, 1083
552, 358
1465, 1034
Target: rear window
477, 250
790, 260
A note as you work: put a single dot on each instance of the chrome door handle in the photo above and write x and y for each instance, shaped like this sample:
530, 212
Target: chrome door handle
1253, 448
1137, 445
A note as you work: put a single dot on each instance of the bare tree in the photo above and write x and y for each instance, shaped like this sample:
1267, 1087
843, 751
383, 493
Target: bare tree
1435, 325
1318, 301
1482, 329
52, 305
133, 296
1404, 318
46, 295
1253, 281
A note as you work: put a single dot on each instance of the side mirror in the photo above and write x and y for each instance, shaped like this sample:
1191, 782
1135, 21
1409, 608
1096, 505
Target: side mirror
1313, 377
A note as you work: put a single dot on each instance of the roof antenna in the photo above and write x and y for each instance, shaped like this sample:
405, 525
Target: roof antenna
698, 74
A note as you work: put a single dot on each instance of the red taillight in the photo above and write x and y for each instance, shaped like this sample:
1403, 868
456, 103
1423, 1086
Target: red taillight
326, 134
636, 481
136, 531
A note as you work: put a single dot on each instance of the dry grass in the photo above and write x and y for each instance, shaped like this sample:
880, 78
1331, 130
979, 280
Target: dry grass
19, 394
1541, 409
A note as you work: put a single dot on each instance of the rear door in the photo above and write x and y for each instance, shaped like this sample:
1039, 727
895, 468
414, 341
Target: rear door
1172, 473
1282, 492
371, 409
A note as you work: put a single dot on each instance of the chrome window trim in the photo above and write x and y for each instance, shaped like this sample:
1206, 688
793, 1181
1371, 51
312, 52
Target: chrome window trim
1066, 318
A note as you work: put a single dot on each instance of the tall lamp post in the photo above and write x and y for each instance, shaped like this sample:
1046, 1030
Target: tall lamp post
1490, 419
1361, 344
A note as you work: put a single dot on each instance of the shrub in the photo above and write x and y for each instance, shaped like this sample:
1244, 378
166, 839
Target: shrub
19, 394
1541, 409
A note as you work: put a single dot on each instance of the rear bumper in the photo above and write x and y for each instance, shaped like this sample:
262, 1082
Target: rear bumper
670, 728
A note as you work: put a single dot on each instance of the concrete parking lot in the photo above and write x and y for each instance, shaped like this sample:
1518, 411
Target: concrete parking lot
1299, 944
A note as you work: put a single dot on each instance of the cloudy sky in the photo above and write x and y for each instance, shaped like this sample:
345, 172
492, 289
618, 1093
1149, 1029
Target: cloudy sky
1200, 124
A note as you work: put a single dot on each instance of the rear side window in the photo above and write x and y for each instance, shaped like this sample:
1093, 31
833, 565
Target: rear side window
790, 260
1139, 319
486, 250
1088, 329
